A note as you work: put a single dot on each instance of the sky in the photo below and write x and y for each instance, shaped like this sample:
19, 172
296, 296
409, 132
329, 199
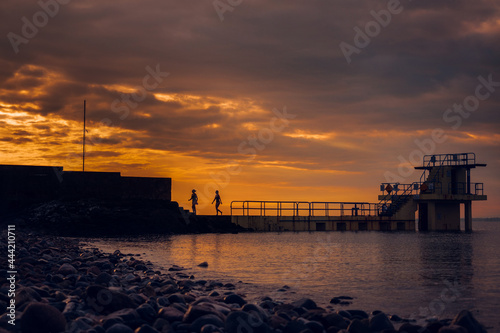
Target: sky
282, 100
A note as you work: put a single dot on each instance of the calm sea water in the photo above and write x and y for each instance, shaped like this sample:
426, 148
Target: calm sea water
421, 275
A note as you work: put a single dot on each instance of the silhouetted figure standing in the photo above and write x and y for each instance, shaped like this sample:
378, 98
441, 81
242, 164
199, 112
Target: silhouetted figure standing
218, 202
194, 199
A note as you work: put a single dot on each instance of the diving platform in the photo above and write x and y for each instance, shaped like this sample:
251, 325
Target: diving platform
443, 187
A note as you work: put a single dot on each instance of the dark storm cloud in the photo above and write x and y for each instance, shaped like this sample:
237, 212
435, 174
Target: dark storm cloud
16, 140
279, 53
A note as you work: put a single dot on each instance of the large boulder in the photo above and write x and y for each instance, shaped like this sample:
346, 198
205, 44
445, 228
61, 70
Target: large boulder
306, 303
357, 326
467, 320
380, 322
42, 318
67, 269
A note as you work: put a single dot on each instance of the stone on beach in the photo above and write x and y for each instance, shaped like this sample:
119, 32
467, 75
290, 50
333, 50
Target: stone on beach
453, 329
467, 320
334, 320
42, 318
105, 301
196, 311
67, 269
129, 317
206, 320
171, 314
176, 298
81, 324
360, 314
410, 328
305, 303
27, 295
119, 328
103, 279
380, 322
253, 308
236, 299
294, 326
146, 312
277, 322
315, 327
146, 329
358, 326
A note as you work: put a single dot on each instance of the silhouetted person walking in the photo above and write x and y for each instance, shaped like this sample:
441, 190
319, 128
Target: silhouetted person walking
194, 199
218, 202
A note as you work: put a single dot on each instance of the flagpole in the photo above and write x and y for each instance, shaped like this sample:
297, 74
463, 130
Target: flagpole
84, 115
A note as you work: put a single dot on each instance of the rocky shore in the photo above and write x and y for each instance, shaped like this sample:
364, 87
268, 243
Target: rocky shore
61, 287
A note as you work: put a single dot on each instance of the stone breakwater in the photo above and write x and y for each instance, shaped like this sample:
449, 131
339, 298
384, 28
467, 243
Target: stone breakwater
114, 217
62, 287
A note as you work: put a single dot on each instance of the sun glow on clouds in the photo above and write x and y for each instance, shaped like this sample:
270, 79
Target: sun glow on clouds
353, 122
486, 27
312, 136
475, 138
118, 87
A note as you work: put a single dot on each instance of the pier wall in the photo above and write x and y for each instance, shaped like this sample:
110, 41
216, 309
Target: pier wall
323, 223
23, 185
111, 185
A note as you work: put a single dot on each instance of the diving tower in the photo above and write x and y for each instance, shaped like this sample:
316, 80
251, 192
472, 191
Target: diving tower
447, 186
444, 185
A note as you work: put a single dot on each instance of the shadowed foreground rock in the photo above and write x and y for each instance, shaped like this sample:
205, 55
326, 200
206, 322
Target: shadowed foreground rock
42, 318
63, 288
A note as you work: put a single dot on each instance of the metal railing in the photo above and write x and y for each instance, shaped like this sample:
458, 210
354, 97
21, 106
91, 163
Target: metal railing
450, 159
303, 208
411, 189
397, 198
461, 188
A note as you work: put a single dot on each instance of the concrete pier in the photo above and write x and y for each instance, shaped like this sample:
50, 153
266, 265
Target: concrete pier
319, 216
444, 185
322, 223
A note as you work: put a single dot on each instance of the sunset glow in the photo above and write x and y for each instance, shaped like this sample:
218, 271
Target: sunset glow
173, 91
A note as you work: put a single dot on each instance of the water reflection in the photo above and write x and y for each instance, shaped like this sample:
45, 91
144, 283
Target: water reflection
396, 272
446, 256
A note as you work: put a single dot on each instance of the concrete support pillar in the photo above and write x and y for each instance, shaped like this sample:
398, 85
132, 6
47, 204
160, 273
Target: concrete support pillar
468, 216
468, 181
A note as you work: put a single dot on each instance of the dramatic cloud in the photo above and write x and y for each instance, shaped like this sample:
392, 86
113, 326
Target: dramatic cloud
188, 90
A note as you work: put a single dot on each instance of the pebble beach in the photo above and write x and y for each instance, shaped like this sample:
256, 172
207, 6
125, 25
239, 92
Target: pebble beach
61, 286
